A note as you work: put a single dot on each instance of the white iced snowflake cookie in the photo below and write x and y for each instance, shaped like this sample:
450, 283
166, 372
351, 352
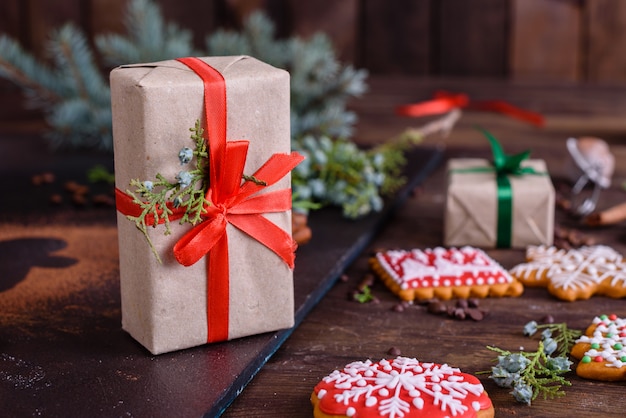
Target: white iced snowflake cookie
574, 274
443, 273
400, 388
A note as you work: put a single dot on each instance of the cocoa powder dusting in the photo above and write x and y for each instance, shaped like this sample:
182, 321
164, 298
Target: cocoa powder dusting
46, 269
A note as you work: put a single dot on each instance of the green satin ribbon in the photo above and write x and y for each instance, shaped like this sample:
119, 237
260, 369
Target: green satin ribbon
504, 166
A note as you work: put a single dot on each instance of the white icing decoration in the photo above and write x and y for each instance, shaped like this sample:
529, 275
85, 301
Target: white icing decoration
404, 378
608, 352
476, 405
442, 267
574, 269
350, 412
321, 393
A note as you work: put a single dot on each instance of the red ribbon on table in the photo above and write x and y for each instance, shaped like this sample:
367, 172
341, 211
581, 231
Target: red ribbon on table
230, 202
444, 101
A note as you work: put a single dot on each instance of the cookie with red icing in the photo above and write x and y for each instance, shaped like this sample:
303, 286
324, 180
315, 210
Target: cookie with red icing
443, 273
574, 274
602, 350
402, 388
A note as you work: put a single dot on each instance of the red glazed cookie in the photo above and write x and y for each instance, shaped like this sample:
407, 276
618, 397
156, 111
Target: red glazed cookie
400, 388
443, 273
574, 274
602, 350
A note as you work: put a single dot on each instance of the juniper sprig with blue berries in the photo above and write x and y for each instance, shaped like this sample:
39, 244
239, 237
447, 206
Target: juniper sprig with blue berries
530, 374
552, 334
539, 372
158, 197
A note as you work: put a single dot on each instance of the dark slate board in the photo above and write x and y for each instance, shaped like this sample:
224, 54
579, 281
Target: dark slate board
78, 361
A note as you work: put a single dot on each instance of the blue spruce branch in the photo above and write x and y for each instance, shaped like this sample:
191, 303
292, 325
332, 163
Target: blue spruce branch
76, 98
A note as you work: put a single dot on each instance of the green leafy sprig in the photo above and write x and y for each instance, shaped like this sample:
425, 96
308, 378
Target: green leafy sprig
364, 295
157, 197
531, 374
100, 173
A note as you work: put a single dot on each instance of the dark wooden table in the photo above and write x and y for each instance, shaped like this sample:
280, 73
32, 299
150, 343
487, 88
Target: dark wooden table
340, 330
337, 330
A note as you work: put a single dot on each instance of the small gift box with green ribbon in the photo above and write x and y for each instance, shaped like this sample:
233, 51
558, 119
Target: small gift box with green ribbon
223, 269
506, 202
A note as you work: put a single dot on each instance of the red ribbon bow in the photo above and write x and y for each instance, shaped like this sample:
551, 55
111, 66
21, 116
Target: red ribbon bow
444, 101
230, 202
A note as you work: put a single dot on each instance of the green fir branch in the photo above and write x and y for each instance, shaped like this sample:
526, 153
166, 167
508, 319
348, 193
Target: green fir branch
149, 37
83, 118
320, 86
76, 99
35, 77
75, 65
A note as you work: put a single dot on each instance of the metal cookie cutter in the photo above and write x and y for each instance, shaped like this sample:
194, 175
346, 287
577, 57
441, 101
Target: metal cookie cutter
595, 164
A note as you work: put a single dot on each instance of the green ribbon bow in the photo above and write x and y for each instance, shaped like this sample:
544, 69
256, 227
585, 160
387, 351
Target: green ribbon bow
505, 166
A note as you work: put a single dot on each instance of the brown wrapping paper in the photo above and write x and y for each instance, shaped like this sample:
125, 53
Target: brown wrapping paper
154, 105
471, 206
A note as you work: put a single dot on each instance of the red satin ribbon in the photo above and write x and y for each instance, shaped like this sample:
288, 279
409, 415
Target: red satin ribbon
444, 101
230, 202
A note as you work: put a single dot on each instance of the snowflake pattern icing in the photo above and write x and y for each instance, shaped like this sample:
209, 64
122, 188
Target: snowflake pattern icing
389, 384
574, 268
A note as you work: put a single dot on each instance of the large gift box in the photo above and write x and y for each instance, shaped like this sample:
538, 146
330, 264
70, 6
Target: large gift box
229, 273
488, 209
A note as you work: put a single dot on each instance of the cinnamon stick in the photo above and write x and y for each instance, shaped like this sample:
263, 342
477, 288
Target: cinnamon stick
613, 215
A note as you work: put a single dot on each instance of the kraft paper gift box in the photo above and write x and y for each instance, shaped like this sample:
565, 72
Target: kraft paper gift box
472, 206
166, 305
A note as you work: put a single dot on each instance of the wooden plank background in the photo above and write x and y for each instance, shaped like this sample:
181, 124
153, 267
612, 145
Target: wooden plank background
547, 40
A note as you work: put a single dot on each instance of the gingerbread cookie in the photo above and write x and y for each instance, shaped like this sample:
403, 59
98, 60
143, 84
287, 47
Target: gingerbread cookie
602, 350
401, 388
443, 273
574, 274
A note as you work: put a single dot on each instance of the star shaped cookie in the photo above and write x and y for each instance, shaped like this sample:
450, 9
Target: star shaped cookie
574, 274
